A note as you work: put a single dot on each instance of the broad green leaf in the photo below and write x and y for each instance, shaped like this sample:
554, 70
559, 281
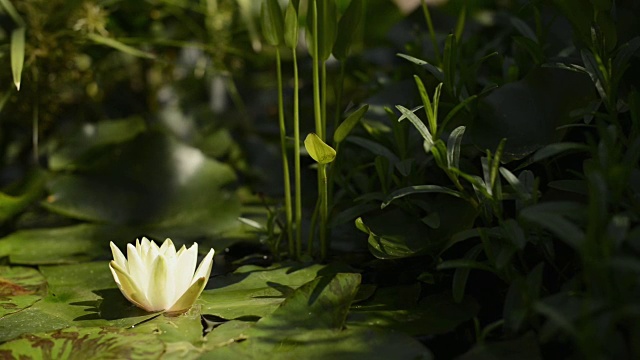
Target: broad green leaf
453, 147
396, 308
120, 46
63, 245
252, 292
17, 54
91, 138
85, 343
528, 112
349, 123
419, 189
151, 181
20, 287
348, 28
81, 295
272, 22
355, 344
318, 149
322, 303
291, 26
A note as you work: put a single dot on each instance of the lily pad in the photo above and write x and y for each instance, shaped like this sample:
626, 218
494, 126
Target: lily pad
84, 343
81, 295
20, 287
252, 292
63, 245
152, 181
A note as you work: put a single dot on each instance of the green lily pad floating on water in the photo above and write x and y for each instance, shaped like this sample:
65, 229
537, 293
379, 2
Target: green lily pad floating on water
79, 295
84, 343
20, 287
152, 181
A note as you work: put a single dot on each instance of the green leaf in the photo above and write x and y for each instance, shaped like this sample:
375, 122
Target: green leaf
272, 22
63, 245
14, 201
318, 149
17, 54
419, 125
431, 108
326, 14
7, 5
291, 26
85, 343
349, 123
253, 291
552, 150
449, 62
322, 303
453, 147
435, 71
396, 308
151, 181
461, 275
551, 216
456, 109
120, 46
525, 348
375, 147
348, 29
523, 28
20, 287
419, 189
82, 295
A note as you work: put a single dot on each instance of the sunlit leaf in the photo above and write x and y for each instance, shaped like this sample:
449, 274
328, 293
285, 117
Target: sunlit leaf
318, 149
17, 54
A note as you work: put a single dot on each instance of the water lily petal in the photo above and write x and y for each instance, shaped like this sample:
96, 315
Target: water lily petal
204, 269
185, 267
137, 269
190, 296
128, 287
118, 256
161, 290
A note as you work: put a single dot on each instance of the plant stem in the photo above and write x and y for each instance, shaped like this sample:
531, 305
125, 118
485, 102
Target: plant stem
296, 150
432, 33
324, 211
285, 161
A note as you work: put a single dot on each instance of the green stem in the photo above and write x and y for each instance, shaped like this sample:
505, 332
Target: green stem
432, 32
296, 150
285, 161
316, 75
324, 211
338, 92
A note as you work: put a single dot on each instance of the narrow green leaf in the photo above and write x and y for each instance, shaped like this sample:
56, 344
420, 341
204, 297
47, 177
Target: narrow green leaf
419, 189
462, 18
434, 70
13, 13
495, 164
375, 148
557, 148
515, 183
113, 43
461, 275
453, 147
349, 123
450, 60
419, 125
318, 149
429, 108
455, 110
291, 26
17, 54
523, 28
348, 28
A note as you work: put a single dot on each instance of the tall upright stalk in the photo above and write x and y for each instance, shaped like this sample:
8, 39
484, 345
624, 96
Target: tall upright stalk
296, 151
285, 160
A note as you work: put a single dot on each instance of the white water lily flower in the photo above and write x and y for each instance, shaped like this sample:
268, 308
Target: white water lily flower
159, 278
